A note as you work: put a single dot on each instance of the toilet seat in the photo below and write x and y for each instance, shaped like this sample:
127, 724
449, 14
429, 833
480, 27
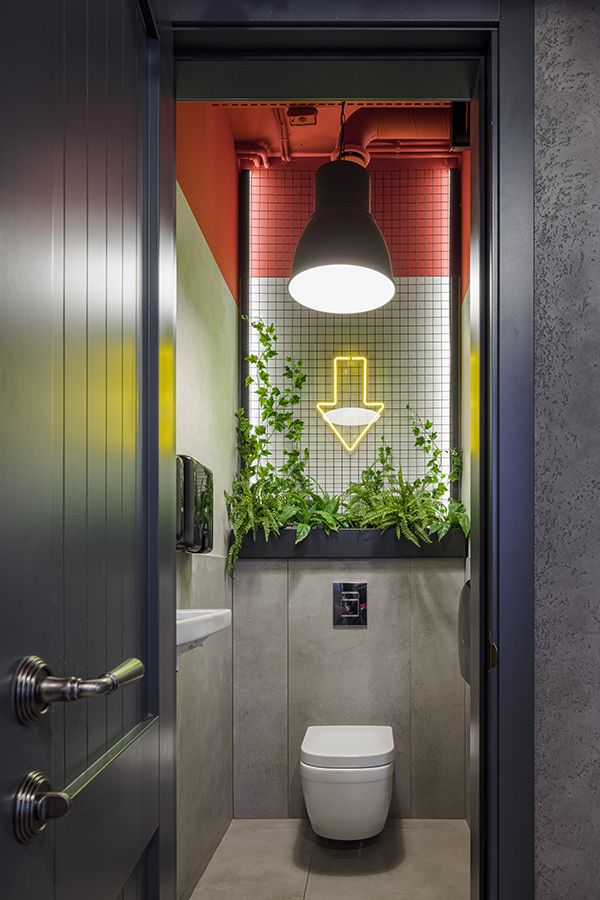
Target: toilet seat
347, 746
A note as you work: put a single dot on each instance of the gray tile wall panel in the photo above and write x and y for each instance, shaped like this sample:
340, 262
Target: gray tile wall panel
350, 677
260, 700
437, 692
293, 669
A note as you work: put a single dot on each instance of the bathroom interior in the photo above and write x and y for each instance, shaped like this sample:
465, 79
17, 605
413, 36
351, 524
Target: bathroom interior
323, 700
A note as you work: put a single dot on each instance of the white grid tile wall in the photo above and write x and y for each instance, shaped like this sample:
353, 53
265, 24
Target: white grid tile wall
408, 347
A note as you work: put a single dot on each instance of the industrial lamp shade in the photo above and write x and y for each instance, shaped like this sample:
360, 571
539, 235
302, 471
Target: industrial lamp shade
342, 264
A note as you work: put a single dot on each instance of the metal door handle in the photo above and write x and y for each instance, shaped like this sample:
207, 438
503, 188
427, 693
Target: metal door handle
35, 804
35, 686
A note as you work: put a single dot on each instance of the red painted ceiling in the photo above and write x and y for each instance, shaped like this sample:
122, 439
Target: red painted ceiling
207, 170
257, 122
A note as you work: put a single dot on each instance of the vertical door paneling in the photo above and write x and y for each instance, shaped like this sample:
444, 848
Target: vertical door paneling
142, 610
136, 886
98, 125
103, 547
75, 375
114, 355
30, 379
131, 313
141, 882
56, 715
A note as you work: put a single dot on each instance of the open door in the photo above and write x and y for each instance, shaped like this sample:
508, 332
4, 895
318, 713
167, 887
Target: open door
81, 755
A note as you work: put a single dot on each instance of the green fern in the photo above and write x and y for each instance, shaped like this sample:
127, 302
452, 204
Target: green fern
417, 510
265, 498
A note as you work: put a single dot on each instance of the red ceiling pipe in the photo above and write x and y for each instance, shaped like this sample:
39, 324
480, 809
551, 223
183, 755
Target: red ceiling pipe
257, 151
380, 152
284, 141
367, 125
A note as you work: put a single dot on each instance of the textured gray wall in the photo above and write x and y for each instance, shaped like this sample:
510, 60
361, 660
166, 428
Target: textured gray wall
206, 400
293, 669
567, 172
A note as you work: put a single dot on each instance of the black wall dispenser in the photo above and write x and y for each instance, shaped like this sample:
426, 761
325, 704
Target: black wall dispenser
194, 506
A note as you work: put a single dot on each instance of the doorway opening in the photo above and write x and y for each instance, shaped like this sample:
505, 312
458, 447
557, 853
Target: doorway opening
288, 673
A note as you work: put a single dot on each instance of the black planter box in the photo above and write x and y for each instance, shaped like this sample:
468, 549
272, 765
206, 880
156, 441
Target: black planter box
351, 543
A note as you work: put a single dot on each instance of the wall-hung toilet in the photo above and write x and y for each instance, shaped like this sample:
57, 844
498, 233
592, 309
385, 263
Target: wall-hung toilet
346, 773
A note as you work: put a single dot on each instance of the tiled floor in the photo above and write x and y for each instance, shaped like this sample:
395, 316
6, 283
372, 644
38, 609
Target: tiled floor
280, 859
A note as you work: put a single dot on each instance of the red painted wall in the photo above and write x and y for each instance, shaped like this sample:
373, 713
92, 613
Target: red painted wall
207, 172
411, 206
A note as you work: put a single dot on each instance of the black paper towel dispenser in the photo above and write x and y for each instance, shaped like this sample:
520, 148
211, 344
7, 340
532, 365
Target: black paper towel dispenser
194, 506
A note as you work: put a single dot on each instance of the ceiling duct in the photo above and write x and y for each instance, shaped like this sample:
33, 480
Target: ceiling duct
415, 126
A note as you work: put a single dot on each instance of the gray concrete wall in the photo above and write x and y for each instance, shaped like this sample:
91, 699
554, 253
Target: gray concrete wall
293, 669
567, 308
206, 401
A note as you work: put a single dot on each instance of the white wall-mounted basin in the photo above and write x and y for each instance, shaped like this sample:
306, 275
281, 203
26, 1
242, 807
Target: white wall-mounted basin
195, 625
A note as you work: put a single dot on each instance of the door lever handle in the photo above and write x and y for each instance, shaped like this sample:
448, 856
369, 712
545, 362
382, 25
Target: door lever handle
35, 687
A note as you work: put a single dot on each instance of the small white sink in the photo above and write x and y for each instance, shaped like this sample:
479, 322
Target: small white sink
195, 625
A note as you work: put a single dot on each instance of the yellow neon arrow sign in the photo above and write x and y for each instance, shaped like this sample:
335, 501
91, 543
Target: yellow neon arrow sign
326, 406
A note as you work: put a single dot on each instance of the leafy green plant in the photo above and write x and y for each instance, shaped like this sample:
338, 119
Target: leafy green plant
453, 512
265, 497
276, 412
315, 508
262, 495
418, 509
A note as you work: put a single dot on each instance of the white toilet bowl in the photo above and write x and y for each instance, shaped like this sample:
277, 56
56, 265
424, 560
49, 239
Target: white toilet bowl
346, 773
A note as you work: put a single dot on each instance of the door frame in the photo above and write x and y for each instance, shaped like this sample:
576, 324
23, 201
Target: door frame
159, 423
501, 45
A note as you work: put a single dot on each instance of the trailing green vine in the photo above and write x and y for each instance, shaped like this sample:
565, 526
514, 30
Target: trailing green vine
265, 497
260, 493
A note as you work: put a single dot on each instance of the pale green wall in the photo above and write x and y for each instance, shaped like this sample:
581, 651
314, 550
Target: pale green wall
207, 362
207, 371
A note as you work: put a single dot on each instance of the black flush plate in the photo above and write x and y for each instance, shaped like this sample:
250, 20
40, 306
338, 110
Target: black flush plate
349, 604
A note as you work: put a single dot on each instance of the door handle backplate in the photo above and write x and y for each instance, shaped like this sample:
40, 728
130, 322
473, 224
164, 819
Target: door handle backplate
35, 805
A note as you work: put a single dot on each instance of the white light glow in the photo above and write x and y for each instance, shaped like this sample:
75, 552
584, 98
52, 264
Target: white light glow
342, 289
351, 415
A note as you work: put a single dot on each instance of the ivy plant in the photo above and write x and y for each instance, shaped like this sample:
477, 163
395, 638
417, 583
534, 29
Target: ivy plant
260, 497
267, 497
452, 512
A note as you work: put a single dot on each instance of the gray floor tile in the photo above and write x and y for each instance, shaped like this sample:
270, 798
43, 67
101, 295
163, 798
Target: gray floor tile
424, 861
282, 860
259, 859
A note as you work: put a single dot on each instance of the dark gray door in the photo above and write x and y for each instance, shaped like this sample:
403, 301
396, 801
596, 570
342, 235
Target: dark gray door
73, 442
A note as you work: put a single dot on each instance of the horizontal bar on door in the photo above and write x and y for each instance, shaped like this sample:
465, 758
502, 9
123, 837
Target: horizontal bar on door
114, 816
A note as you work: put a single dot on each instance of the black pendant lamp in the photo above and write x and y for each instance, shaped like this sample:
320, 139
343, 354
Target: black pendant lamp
342, 264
